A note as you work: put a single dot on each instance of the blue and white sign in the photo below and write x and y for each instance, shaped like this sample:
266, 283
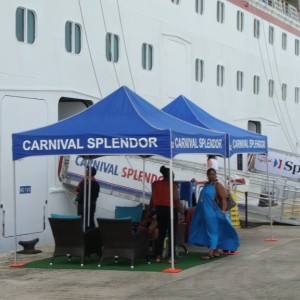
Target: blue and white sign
26, 189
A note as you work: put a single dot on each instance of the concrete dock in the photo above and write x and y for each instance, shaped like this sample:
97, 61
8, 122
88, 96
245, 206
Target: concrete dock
262, 270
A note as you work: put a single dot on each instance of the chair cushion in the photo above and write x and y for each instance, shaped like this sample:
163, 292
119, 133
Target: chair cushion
123, 218
134, 212
58, 216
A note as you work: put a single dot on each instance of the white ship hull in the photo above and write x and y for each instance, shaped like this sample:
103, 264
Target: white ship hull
42, 83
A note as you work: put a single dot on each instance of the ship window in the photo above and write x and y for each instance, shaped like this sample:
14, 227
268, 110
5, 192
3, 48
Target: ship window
254, 126
73, 37
296, 47
284, 41
77, 39
239, 80
240, 162
199, 70
112, 47
240, 21
296, 95
25, 25
284, 91
271, 88
175, 1
271, 35
199, 6
220, 75
220, 12
256, 28
256, 81
147, 56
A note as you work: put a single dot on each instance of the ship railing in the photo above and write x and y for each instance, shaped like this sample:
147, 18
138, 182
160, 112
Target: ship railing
261, 191
258, 184
279, 8
290, 208
294, 13
284, 197
278, 5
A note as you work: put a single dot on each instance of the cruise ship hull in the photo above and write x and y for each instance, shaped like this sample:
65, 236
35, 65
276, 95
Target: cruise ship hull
238, 60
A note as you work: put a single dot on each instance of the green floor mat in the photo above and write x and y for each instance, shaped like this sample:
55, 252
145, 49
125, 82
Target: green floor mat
184, 261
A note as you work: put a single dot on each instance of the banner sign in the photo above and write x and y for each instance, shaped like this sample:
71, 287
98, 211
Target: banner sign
238, 145
279, 163
124, 173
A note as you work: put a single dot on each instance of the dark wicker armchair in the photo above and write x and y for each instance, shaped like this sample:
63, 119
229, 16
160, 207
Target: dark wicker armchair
70, 239
180, 242
118, 240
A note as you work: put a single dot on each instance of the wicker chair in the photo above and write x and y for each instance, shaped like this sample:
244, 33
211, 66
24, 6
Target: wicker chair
180, 237
70, 239
180, 242
119, 240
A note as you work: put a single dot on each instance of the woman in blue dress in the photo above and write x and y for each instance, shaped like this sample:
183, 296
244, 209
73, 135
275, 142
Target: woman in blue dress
211, 226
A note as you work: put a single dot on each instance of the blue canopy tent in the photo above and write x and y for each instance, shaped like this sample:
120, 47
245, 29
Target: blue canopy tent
123, 123
238, 140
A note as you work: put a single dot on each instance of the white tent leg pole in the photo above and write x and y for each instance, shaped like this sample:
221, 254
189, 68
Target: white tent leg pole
172, 213
229, 175
270, 202
89, 194
225, 170
271, 239
15, 211
84, 197
144, 167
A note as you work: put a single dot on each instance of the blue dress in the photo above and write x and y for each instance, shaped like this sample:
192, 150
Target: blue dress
209, 228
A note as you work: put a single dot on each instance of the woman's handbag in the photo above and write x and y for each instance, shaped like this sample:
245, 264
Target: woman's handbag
230, 202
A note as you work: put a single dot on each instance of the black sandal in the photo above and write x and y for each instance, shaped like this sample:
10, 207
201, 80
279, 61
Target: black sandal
207, 257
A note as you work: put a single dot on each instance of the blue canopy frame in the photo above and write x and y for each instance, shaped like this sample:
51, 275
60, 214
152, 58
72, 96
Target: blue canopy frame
238, 140
123, 123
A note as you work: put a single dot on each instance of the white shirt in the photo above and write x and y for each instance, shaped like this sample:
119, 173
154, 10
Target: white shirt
213, 163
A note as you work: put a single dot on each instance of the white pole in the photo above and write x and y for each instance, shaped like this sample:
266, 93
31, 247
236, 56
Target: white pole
144, 167
229, 175
15, 210
171, 213
270, 202
225, 171
84, 197
89, 193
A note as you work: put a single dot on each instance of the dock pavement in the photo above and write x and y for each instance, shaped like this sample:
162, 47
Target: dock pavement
262, 270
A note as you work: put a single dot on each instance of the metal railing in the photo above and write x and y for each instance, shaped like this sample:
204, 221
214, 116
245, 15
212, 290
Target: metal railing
279, 8
290, 208
283, 194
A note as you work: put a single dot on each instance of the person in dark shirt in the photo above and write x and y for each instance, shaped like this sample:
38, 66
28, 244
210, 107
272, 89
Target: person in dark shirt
94, 193
160, 199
